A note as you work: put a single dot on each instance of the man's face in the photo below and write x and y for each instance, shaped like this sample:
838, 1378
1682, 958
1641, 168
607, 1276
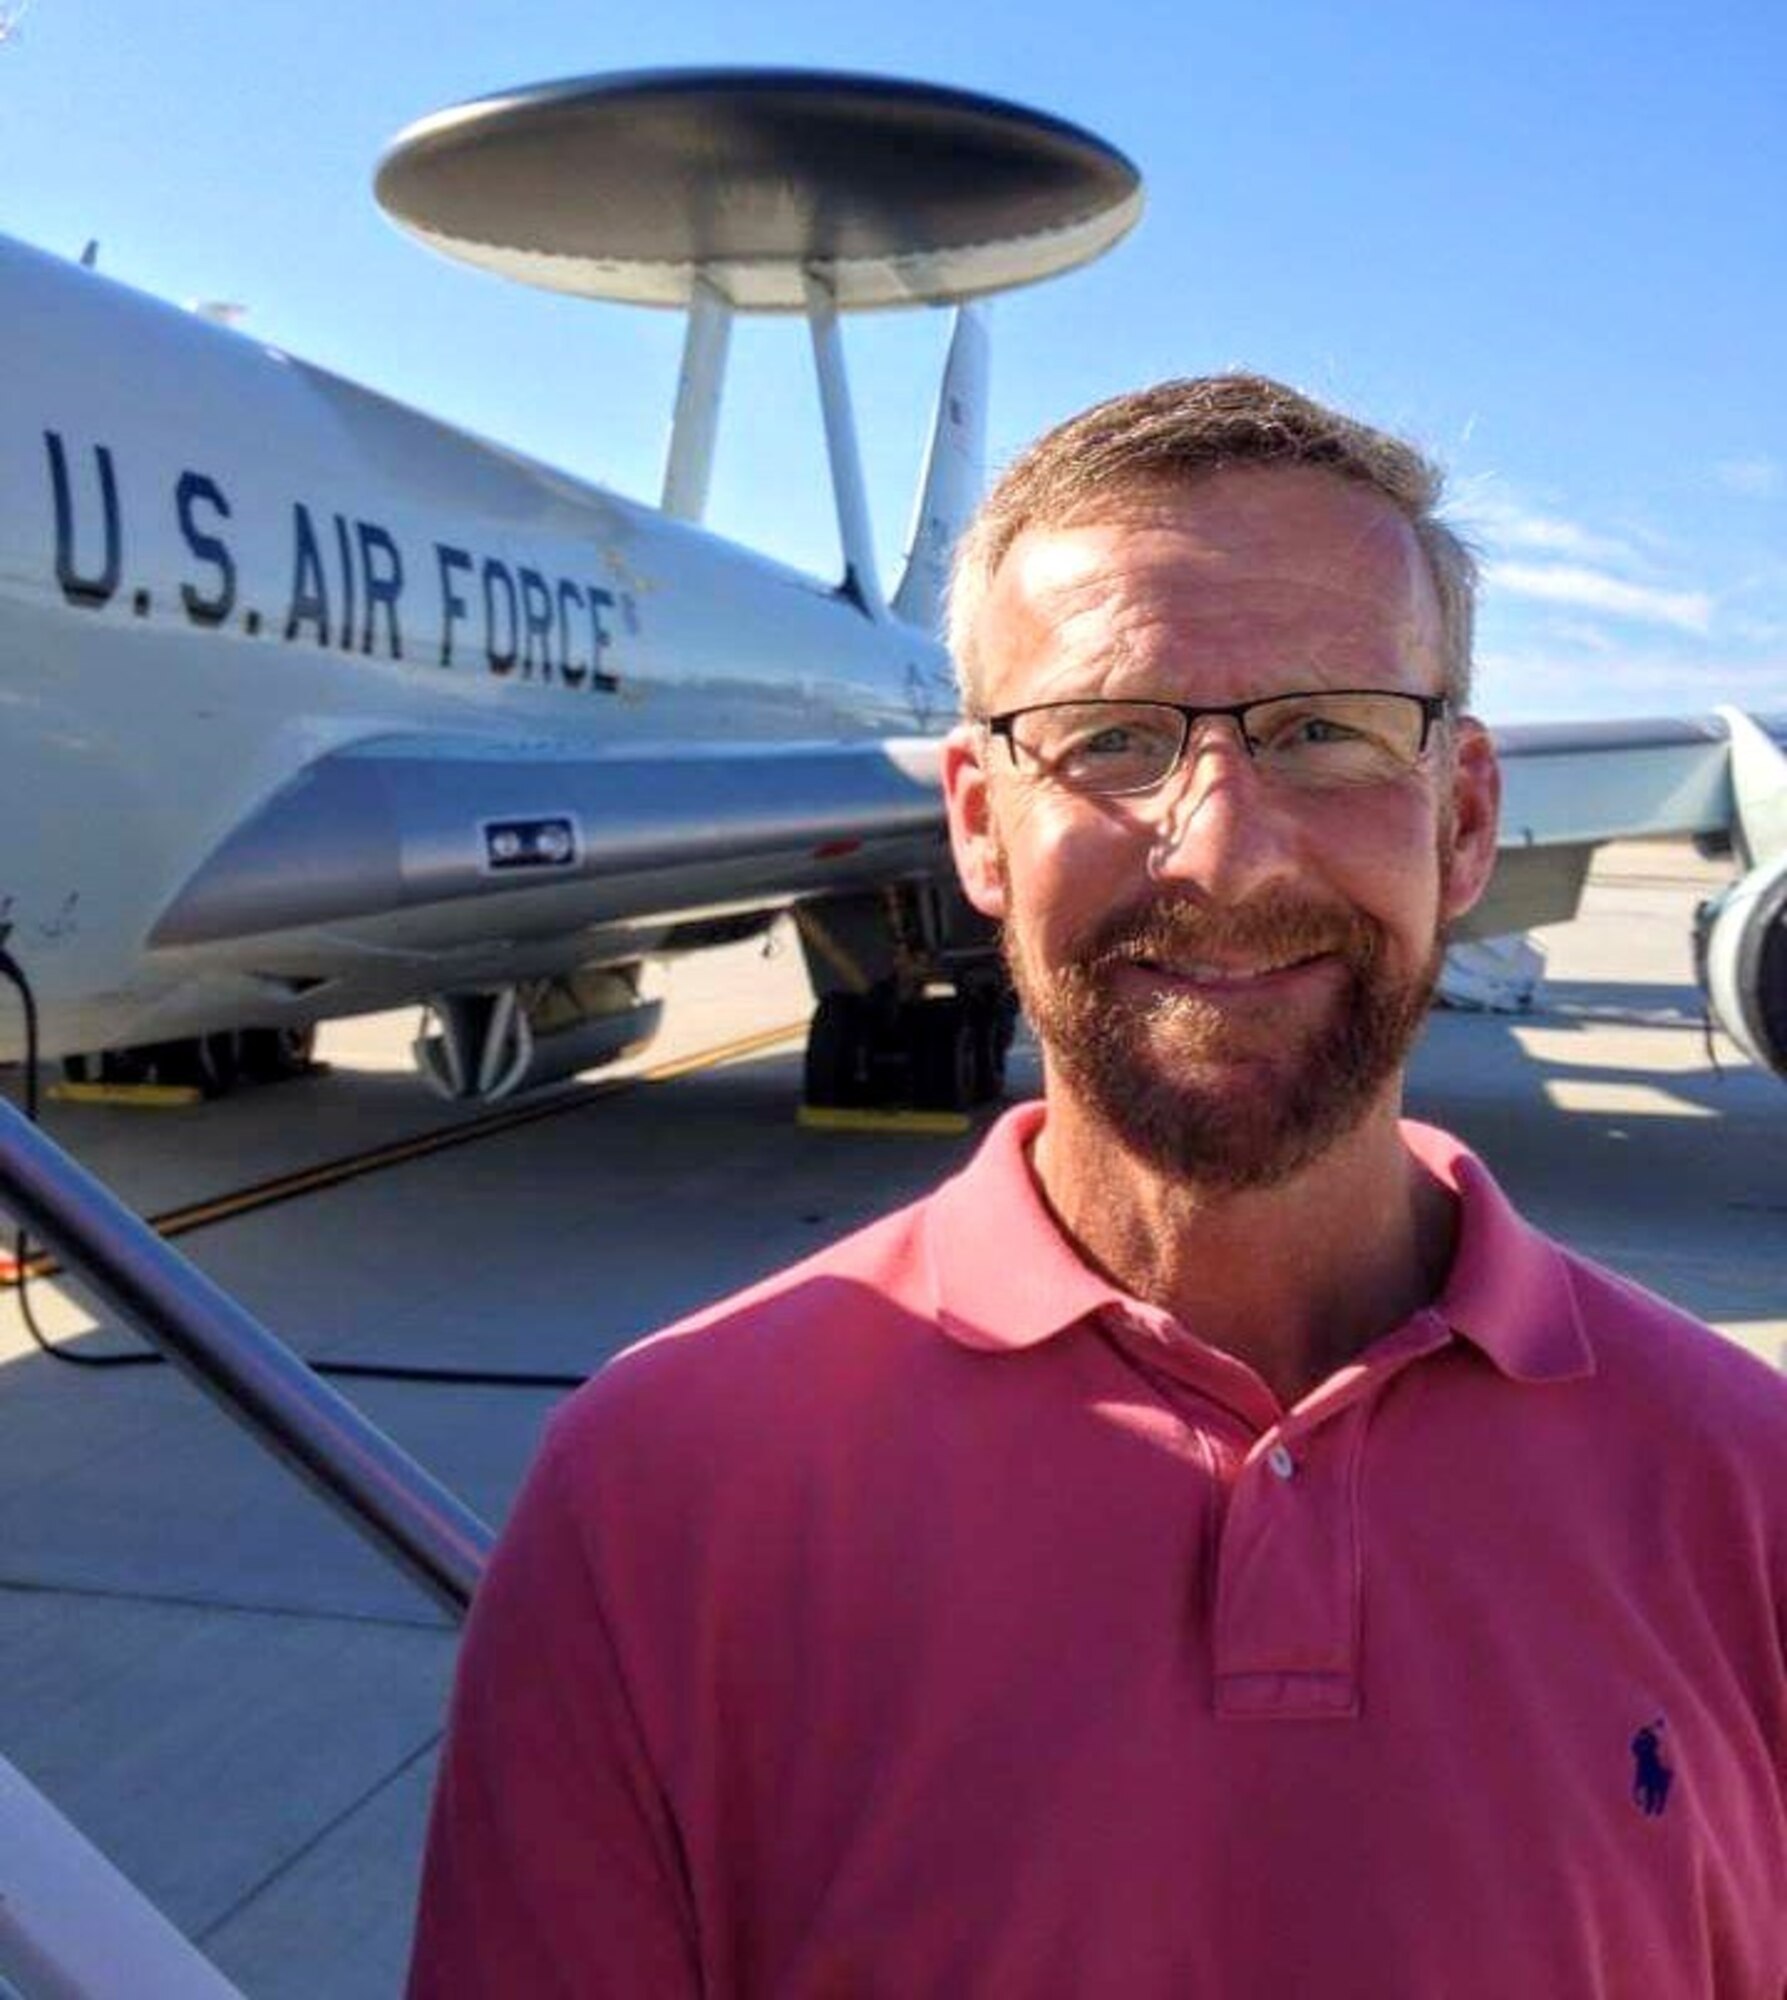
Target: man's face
1226, 973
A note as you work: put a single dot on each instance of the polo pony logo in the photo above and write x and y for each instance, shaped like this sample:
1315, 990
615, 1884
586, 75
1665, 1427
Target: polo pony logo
1651, 1777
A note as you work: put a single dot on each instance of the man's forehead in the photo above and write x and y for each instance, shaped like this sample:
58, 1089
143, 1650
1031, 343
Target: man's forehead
1290, 556
1290, 520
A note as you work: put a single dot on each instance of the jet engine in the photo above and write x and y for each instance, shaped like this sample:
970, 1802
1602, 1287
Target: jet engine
1740, 952
486, 1045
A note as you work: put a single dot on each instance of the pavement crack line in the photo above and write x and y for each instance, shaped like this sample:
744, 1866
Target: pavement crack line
313, 1841
178, 1601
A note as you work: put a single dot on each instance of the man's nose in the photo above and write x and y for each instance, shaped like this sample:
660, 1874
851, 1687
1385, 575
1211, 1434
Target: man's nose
1218, 824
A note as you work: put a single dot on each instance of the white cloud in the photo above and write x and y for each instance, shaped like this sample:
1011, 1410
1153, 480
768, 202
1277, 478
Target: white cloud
1594, 590
1498, 524
1754, 478
1581, 635
1533, 682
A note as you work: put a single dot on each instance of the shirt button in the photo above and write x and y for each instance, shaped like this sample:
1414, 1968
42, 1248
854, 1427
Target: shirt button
1281, 1461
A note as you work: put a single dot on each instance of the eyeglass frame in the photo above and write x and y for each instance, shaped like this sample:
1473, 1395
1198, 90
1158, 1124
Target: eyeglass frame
1435, 709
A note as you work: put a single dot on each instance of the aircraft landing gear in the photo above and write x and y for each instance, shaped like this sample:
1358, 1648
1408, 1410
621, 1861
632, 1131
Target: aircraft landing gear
934, 1052
930, 1031
212, 1064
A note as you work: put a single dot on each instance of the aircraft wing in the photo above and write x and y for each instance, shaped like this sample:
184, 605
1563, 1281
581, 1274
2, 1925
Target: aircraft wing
427, 843
455, 861
429, 835
1569, 787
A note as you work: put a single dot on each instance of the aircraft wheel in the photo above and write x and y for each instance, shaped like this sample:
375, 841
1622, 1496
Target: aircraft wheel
947, 1066
837, 1052
210, 1063
990, 1029
109, 1066
219, 1062
271, 1055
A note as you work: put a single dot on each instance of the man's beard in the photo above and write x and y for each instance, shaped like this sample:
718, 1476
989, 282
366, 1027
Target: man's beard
1225, 1097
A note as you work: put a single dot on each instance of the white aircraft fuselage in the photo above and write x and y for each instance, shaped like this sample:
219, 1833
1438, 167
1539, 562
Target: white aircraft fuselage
221, 567
311, 705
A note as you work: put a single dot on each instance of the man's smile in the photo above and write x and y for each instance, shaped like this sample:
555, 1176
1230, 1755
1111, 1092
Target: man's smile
1234, 974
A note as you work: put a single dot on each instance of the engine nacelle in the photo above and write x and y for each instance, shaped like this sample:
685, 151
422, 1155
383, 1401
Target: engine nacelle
488, 1045
1740, 951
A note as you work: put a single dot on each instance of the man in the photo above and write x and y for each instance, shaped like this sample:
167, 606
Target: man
1211, 1546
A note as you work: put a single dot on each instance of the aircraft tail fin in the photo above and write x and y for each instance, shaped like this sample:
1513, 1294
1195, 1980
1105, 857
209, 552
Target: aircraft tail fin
954, 469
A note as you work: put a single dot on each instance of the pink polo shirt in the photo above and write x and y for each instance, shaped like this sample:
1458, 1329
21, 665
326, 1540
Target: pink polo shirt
935, 1620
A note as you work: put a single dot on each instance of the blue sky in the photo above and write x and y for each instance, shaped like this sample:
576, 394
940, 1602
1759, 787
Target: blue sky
1547, 241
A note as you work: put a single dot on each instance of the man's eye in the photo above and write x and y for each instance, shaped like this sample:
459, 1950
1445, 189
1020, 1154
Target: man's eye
1099, 751
1317, 729
1114, 740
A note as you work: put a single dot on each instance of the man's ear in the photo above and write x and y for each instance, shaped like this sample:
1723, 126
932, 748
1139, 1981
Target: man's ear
971, 835
1476, 816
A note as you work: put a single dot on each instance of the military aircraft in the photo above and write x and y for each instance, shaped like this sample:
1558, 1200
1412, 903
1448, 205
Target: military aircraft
311, 705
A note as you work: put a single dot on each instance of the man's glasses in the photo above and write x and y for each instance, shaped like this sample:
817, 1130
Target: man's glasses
1319, 742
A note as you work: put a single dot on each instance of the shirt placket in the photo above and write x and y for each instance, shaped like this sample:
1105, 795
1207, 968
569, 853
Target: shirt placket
1287, 1536
1290, 1570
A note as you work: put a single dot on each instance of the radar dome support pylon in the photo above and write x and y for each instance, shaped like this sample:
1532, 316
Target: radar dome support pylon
767, 191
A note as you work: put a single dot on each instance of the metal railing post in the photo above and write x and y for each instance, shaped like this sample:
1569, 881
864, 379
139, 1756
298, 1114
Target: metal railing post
401, 1509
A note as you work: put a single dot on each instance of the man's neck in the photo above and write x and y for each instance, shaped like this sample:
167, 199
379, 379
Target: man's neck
1293, 1280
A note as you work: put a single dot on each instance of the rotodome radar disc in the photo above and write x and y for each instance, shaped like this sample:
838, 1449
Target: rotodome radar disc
626, 187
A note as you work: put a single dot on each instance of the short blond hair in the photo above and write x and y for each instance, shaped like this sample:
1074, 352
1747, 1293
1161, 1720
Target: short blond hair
1177, 433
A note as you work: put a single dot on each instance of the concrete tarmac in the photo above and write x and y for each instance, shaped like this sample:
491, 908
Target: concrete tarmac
239, 1702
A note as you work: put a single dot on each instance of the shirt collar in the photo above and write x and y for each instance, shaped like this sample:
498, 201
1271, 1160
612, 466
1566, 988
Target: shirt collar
1004, 1277
1509, 1291
1002, 1274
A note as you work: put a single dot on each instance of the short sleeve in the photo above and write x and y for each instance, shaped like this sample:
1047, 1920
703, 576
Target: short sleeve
553, 1864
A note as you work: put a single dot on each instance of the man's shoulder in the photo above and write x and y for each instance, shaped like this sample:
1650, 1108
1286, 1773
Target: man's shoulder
826, 1335
878, 1270
1545, 1299
1668, 1362
818, 1333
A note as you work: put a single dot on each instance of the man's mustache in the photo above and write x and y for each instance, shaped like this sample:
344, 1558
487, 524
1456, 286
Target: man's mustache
1276, 926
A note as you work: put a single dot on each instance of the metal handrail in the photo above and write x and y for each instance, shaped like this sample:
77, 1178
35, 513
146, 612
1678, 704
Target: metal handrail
73, 1928
401, 1509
